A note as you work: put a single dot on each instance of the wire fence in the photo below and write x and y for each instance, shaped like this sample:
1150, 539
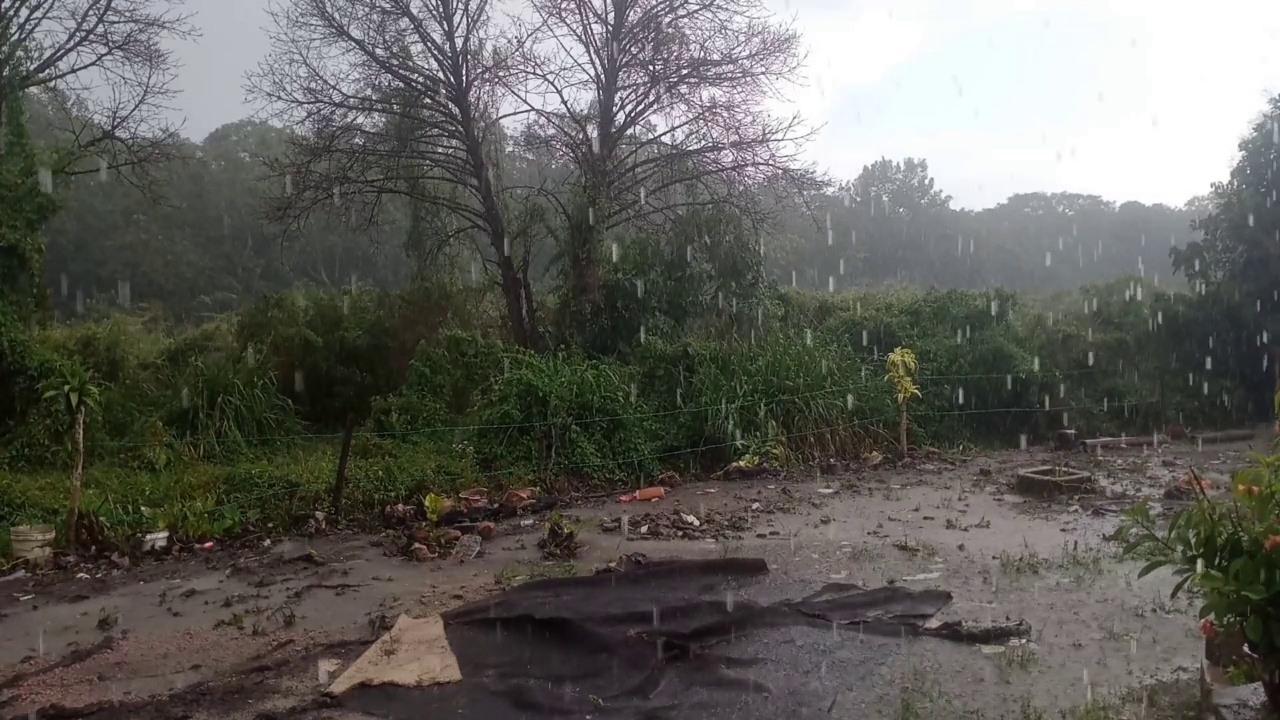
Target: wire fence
648, 414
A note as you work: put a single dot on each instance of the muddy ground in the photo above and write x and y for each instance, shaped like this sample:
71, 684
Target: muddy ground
245, 634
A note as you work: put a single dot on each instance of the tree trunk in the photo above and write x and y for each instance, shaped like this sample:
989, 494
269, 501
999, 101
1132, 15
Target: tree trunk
902, 429
512, 291
340, 482
535, 338
77, 479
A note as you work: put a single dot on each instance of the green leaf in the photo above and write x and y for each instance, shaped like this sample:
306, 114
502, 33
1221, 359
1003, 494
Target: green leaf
1151, 567
1254, 628
1255, 592
1181, 584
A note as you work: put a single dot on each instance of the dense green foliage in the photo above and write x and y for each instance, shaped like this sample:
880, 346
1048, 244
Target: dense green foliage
233, 424
561, 341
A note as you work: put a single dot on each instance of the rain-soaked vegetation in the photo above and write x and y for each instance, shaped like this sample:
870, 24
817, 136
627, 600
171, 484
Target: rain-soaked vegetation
419, 274
469, 289
225, 329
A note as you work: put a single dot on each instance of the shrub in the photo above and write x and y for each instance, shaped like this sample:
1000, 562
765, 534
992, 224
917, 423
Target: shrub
564, 415
1229, 551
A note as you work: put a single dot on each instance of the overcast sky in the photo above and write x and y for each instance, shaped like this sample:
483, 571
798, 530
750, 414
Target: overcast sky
1129, 99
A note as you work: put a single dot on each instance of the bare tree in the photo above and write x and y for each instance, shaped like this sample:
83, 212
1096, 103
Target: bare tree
101, 71
660, 106
396, 100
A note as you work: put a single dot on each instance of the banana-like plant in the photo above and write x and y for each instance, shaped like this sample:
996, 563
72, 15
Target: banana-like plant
76, 392
903, 366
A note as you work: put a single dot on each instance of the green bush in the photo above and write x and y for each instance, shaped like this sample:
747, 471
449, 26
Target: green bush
564, 415
205, 426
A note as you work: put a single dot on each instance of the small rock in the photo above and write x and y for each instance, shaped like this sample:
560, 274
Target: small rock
518, 499
421, 553
450, 536
486, 530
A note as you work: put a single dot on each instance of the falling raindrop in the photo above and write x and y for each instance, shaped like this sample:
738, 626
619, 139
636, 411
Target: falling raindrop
1048, 258
614, 250
298, 385
45, 176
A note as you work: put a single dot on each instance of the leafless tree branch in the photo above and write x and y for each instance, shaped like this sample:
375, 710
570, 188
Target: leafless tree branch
392, 99
102, 72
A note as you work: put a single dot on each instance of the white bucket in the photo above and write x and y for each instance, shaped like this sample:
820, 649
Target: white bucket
31, 542
157, 540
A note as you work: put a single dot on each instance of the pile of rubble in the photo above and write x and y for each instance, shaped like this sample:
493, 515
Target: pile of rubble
457, 527
680, 525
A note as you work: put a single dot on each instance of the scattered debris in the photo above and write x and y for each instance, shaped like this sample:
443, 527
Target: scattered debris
1223, 436
740, 470
649, 494
979, 633
626, 562
518, 499
1047, 482
560, 541
466, 549
676, 524
1065, 440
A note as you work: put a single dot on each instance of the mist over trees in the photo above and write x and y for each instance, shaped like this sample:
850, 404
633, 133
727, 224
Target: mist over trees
213, 246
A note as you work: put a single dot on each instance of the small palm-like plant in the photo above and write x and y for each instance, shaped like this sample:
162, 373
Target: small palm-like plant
903, 366
77, 393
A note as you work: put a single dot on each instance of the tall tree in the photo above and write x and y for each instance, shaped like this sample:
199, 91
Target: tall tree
395, 99
102, 69
659, 106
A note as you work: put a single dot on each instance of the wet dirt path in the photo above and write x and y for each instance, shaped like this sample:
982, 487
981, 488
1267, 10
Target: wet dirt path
240, 635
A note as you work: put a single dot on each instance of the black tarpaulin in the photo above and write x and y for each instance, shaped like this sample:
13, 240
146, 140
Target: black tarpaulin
662, 639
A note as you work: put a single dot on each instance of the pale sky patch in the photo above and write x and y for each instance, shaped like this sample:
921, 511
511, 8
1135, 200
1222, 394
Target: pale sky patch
1129, 99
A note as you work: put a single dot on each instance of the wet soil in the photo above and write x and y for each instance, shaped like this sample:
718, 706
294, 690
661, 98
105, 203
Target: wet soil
254, 632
